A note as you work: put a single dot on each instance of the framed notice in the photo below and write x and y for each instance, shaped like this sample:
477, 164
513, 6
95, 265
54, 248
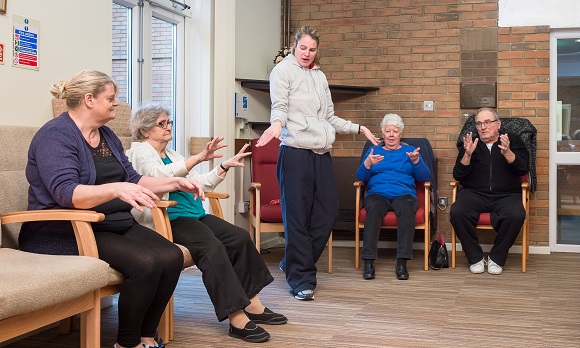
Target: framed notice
478, 95
25, 39
3, 6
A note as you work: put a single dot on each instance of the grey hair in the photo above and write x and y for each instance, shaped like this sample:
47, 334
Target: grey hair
392, 120
144, 118
81, 84
495, 114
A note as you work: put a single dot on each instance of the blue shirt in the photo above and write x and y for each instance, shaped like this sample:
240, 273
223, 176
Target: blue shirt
395, 175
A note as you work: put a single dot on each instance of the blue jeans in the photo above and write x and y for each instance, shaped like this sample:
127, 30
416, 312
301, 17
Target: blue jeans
377, 207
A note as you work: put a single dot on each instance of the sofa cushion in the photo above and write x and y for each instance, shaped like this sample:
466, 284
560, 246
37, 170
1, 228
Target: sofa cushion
30, 281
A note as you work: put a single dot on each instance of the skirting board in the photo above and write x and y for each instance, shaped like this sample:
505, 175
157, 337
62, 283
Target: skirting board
517, 249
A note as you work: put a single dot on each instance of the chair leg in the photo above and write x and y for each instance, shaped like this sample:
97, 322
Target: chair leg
66, 325
356, 247
91, 324
163, 331
330, 253
453, 248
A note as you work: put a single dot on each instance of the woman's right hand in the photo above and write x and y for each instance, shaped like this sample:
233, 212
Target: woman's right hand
274, 131
134, 194
372, 159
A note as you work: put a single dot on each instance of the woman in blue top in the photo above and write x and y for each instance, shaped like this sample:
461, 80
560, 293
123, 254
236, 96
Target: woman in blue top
390, 171
233, 270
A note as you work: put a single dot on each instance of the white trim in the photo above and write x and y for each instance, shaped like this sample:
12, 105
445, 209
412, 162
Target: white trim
555, 156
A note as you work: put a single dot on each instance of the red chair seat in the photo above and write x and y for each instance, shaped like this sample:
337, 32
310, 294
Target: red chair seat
484, 219
390, 218
271, 212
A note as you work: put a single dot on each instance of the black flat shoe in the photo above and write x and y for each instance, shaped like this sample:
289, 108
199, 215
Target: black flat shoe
268, 317
402, 273
250, 333
369, 270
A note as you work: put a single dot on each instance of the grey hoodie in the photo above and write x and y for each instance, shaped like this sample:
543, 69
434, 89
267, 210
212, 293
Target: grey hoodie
301, 102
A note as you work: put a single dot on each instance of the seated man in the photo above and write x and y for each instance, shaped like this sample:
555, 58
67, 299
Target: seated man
390, 171
489, 168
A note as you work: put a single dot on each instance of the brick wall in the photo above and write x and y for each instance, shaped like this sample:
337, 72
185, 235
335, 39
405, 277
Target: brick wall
418, 50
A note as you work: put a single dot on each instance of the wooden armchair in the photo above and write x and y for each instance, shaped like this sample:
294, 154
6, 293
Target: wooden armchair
484, 223
422, 220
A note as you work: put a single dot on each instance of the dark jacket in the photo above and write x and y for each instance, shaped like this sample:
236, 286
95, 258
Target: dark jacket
490, 172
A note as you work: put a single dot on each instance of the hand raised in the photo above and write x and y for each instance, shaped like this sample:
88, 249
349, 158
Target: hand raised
211, 147
372, 159
192, 186
469, 145
235, 161
414, 156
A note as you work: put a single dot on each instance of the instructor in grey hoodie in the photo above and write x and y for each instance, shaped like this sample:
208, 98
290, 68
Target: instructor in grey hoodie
303, 118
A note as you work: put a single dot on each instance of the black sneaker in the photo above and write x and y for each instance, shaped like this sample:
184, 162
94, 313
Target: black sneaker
250, 333
268, 317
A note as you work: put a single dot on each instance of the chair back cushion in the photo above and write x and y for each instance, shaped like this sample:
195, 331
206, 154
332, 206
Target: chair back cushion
264, 160
390, 219
14, 144
119, 125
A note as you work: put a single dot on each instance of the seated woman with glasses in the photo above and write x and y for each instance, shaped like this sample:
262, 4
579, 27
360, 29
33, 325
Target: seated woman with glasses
232, 269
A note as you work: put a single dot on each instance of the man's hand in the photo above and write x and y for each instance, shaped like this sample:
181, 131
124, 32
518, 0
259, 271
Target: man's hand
504, 146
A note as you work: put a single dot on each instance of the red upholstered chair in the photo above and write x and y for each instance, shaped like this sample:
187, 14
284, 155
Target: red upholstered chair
484, 223
265, 209
390, 220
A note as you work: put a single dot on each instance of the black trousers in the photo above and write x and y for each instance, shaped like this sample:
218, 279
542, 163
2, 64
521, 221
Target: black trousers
232, 269
151, 266
377, 206
309, 208
507, 215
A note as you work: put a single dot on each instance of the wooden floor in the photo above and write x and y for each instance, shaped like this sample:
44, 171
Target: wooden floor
445, 308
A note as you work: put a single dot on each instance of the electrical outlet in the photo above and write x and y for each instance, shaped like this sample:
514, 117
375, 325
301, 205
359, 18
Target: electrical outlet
443, 201
428, 105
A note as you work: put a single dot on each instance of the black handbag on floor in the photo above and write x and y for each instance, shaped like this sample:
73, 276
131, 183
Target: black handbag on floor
438, 256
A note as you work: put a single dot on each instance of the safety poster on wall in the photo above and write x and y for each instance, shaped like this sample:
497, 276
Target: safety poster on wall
26, 38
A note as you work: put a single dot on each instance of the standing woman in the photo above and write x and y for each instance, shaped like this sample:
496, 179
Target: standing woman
303, 118
75, 161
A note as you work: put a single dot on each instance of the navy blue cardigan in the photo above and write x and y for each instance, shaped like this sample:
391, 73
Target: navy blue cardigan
58, 161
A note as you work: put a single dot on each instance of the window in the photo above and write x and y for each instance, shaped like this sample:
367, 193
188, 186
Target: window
148, 57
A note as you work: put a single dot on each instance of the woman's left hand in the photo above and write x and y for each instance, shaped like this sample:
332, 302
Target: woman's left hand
192, 186
370, 136
414, 156
236, 160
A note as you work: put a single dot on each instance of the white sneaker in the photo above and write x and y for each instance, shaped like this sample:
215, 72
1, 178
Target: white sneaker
477, 268
493, 268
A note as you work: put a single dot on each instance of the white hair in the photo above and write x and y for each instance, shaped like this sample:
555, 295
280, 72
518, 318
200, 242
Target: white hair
392, 120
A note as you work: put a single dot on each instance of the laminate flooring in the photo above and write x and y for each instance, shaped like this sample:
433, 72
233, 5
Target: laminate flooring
445, 308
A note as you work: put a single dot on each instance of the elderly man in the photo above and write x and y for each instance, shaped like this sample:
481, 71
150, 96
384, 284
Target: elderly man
489, 167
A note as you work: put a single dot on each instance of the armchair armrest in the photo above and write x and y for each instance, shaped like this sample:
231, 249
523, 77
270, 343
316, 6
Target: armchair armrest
214, 202
80, 219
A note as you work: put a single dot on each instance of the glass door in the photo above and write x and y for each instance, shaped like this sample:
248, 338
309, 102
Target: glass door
564, 190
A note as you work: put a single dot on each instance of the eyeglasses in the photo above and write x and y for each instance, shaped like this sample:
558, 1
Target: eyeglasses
165, 123
487, 123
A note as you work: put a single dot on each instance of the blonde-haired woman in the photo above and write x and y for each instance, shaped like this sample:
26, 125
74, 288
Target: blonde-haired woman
75, 161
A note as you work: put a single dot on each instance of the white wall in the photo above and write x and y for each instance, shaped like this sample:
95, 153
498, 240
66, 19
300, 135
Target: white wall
74, 35
555, 13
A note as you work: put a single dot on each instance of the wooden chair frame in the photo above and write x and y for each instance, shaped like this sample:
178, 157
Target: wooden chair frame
525, 234
360, 190
88, 305
257, 226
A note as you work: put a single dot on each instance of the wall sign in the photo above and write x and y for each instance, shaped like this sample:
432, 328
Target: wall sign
25, 40
477, 95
